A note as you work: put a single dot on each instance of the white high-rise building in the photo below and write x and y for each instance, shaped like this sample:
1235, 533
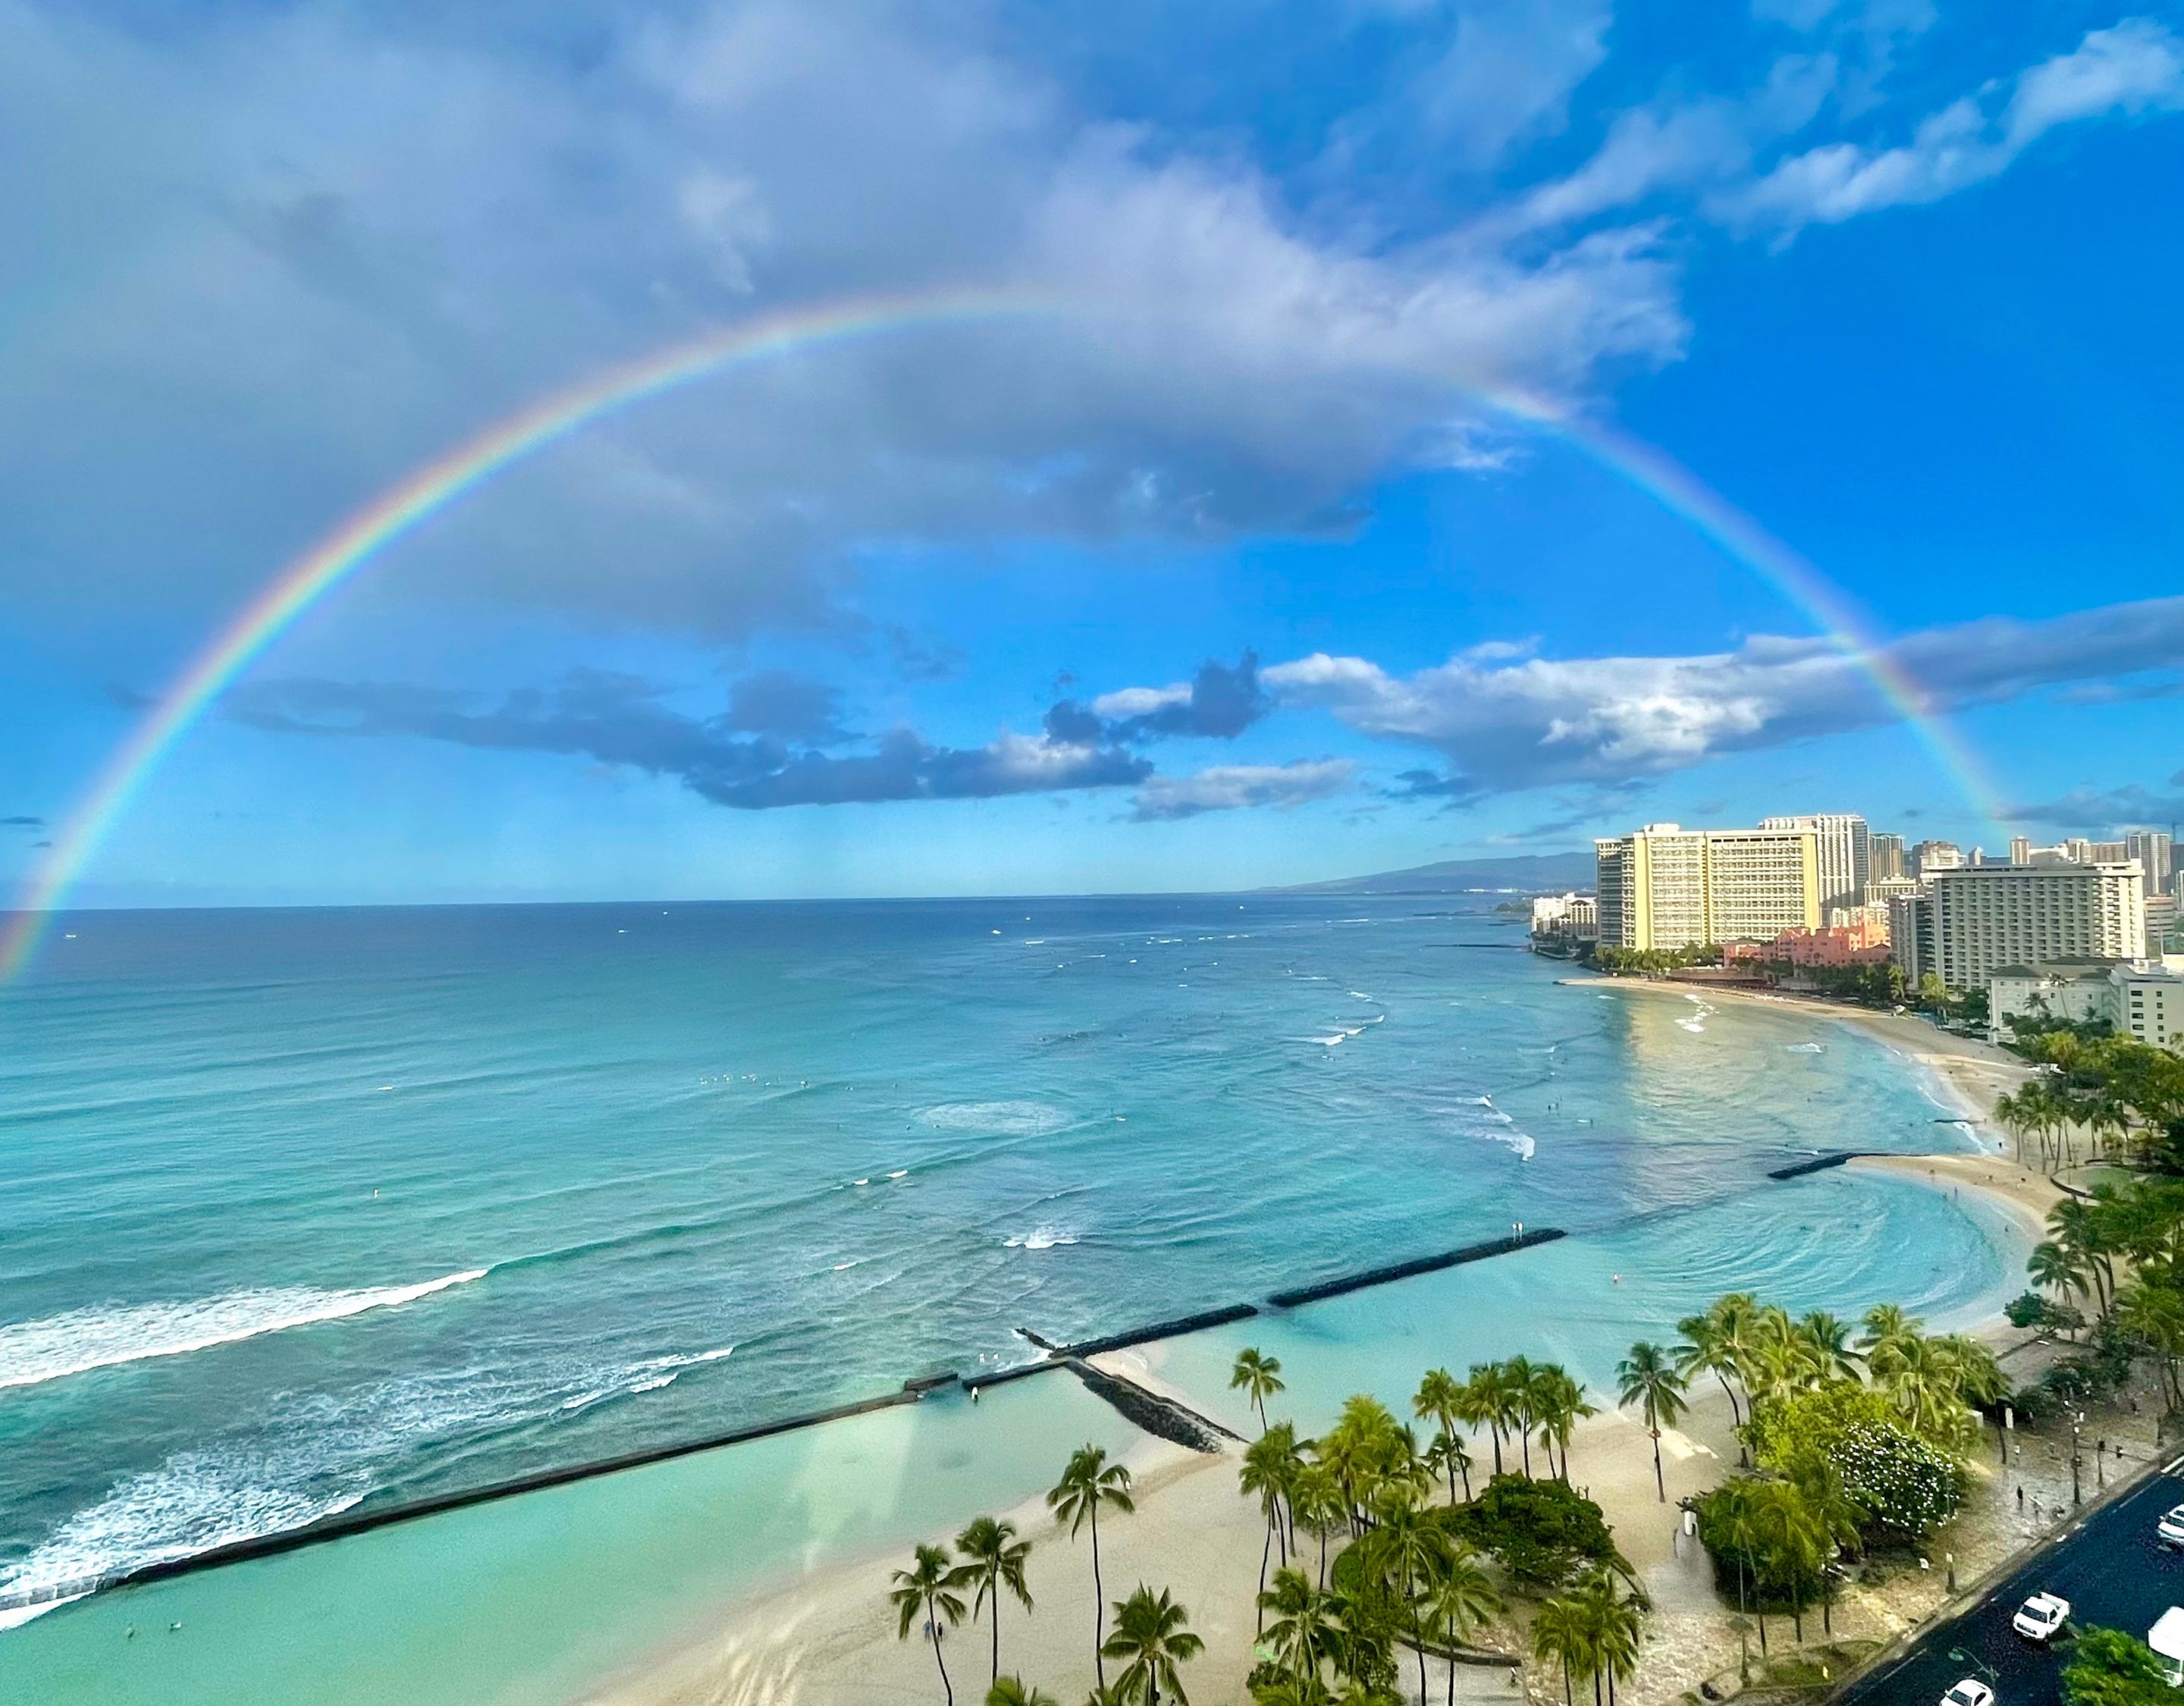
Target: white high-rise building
1669, 887
1989, 918
1846, 853
1911, 931
1930, 857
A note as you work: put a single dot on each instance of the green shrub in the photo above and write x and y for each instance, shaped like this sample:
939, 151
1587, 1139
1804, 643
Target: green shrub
1544, 1533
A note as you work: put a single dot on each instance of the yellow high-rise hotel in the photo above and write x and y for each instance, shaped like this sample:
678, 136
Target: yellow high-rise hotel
1669, 887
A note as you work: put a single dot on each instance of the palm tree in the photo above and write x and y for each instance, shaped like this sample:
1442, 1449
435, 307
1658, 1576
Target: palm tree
2075, 1226
1615, 1624
1562, 1406
1447, 1454
1515, 1386
1087, 1481
1793, 1542
1259, 1377
929, 1586
1704, 1351
1404, 1548
993, 1558
1265, 1472
1458, 1599
1316, 1500
1439, 1398
1827, 1340
1886, 1326
1303, 1622
1562, 1634
1481, 1406
1648, 1378
1152, 1635
1014, 1690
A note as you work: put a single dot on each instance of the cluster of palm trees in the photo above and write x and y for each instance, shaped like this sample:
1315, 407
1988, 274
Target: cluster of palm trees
1758, 1353
1402, 1577
1592, 1633
2121, 1250
1150, 1640
1784, 1529
2122, 1094
1329, 1486
992, 1563
1358, 1564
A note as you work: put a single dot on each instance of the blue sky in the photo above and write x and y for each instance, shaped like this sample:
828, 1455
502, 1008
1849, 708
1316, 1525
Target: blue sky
1221, 577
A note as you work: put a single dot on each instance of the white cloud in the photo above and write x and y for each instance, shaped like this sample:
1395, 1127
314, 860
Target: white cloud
316, 251
2135, 67
1235, 787
1509, 71
1140, 701
1505, 725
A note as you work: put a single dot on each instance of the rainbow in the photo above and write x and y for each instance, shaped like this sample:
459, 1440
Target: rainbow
427, 490
1653, 471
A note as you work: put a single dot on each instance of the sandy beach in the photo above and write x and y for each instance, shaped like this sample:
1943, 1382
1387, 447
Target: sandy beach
831, 1635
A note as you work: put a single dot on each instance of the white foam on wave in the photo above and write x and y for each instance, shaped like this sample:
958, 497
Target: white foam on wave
107, 1335
193, 1501
1040, 1238
666, 1370
308, 1456
1009, 1119
1805, 1048
15, 1616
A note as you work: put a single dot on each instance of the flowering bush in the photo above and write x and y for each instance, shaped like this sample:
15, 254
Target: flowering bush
1903, 1488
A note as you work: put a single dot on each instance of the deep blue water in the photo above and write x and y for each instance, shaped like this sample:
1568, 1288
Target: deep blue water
668, 1169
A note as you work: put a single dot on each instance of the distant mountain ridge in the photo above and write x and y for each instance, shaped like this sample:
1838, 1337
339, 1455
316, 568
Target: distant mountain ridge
1531, 873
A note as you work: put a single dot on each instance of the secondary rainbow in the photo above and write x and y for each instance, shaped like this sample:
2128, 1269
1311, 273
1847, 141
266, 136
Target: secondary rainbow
429, 489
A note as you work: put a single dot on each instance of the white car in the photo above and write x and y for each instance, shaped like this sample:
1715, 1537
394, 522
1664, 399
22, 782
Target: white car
2040, 1616
1971, 1691
2169, 1531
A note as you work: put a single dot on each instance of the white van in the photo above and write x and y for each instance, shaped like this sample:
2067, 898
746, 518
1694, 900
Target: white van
2166, 1638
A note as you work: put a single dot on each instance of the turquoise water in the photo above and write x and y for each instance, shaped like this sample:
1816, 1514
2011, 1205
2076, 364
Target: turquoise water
669, 1170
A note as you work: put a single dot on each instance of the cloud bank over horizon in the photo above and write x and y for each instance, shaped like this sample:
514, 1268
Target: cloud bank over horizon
1502, 719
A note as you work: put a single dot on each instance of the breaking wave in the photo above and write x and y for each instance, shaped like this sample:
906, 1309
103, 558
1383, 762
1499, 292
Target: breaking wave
105, 1336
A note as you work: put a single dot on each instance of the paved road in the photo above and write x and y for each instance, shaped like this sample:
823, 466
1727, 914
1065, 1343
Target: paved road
2111, 1570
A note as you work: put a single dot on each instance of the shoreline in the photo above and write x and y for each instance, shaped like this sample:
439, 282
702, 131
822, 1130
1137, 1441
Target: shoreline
1972, 1074
831, 1637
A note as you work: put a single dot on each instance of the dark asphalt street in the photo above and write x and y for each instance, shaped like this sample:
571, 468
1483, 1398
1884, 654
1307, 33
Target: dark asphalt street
2110, 1569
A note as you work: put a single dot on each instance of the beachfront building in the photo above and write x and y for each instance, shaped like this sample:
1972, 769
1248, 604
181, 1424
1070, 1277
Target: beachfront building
2078, 993
1668, 887
2150, 1000
1911, 931
1987, 918
1861, 943
2142, 999
1564, 920
1930, 857
1844, 843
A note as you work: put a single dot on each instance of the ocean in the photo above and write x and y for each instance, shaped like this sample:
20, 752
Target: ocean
312, 1210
